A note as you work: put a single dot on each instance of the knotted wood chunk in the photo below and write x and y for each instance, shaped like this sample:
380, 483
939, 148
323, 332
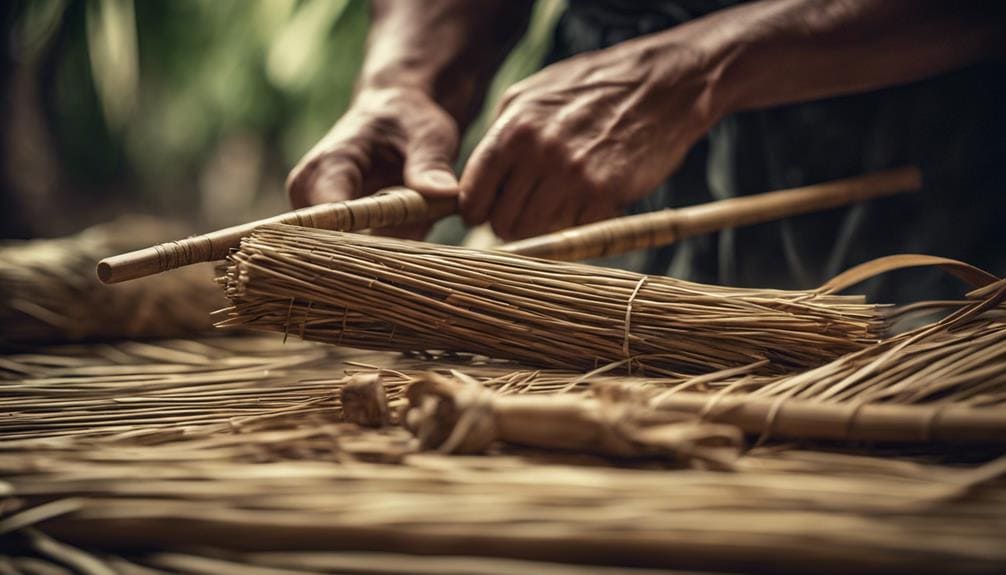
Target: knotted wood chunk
452, 418
365, 402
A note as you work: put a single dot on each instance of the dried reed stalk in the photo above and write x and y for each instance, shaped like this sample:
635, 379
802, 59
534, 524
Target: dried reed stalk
391, 207
665, 227
959, 359
378, 293
48, 292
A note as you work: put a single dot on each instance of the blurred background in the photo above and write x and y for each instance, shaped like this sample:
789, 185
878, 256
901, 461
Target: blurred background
194, 110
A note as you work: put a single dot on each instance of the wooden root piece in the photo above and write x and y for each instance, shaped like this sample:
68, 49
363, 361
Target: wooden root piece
365, 402
454, 418
624, 421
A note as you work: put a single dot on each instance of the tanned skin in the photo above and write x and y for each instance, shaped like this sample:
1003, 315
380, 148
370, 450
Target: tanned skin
583, 138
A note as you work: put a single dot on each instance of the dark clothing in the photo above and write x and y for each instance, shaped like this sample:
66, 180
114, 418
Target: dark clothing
951, 126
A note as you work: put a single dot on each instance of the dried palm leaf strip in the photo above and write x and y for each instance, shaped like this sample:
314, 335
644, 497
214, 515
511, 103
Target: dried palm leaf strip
379, 293
941, 382
959, 359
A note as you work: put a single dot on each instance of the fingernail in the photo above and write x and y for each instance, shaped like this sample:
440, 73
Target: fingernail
441, 179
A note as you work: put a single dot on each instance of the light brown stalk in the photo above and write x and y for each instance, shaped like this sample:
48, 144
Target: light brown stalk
400, 205
388, 208
665, 227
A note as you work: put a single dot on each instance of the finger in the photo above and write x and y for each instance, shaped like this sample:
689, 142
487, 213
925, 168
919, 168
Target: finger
416, 231
429, 153
596, 211
483, 175
547, 209
511, 201
324, 179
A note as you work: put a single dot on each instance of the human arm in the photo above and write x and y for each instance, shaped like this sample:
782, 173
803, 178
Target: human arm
585, 137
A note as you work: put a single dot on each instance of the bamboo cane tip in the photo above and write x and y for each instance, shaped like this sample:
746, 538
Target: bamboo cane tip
104, 270
129, 266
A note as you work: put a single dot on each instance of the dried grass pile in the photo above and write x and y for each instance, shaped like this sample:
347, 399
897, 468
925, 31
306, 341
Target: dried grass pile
49, 293
230, 455
377, 293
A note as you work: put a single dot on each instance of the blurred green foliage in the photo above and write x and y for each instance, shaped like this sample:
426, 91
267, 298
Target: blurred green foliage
142, 95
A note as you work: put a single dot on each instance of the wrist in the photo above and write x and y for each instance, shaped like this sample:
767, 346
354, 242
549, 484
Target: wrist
394, 77
688, 72
715, 54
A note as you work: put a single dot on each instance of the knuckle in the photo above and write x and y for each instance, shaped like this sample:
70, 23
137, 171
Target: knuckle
510, 94
552, 146
297, 183
520, 132
578, 168
383, 127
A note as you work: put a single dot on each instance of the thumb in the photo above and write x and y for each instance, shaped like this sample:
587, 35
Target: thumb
428, 157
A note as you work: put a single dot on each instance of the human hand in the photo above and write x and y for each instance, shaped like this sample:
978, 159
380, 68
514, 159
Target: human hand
586, 137
388, 137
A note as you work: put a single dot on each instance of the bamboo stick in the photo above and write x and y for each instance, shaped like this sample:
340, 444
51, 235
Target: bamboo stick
807, 419
665, 227
400, 205
388, 208
620, 421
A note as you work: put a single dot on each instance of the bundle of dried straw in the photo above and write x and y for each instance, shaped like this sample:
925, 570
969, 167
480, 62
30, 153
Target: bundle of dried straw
49, 294
378, 293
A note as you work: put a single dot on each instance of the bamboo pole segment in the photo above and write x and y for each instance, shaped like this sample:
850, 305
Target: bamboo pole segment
665, 227
388, 208
807, 419
620, 421
400, 205
454, 418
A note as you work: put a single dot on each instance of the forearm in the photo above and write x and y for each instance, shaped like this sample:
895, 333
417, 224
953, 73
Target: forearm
449, 49
783, 51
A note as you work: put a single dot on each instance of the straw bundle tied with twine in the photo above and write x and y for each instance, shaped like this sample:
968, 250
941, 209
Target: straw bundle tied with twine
379, 293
